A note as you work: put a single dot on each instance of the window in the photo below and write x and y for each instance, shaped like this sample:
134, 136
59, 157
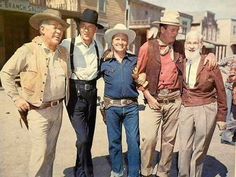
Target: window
234, 30
102, 6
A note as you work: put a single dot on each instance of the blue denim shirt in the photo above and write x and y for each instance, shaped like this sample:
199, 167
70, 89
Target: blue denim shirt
119, 83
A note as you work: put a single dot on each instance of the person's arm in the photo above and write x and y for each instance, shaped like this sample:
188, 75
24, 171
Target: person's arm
10, 70
139, 73
221, 99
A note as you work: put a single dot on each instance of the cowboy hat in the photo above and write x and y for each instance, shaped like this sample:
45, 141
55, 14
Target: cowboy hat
90, 16
169, 18
117, 29
48, 14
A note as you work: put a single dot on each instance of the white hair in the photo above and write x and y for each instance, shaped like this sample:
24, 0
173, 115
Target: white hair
195, 33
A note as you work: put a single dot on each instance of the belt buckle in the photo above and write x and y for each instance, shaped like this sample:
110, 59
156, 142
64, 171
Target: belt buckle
166, 101
164, 91
87, 87
123, 102
54, 103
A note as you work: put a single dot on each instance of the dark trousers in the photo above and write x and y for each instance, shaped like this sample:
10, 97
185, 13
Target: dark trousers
82, 112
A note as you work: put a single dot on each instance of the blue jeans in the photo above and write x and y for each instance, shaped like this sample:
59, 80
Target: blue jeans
229, 132
129, 116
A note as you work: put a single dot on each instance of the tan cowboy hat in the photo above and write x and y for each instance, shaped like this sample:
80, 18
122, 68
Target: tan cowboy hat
119, 28
169, 18
48, 14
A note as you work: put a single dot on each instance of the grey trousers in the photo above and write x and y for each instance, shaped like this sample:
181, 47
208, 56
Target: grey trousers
44, 127
196, 127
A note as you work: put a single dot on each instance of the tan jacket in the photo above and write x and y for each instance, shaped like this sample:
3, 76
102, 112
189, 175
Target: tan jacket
30, 62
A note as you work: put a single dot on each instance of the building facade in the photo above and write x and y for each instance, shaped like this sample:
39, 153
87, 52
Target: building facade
227, 35
206, 24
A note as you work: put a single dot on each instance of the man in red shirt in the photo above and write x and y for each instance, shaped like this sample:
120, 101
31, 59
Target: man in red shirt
161, 62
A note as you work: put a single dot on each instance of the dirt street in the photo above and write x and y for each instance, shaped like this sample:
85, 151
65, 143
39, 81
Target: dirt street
15, 148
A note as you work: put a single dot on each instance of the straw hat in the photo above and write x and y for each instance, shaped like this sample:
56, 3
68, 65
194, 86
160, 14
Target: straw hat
119, 28
48, 14
90, 16
169, 18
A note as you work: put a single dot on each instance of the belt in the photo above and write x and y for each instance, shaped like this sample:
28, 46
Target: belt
119, 103
47, 104
85, 85
166, 101
167, 91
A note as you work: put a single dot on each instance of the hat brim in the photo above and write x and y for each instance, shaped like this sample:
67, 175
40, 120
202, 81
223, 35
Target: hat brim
37, 19
165, 23
99, 26
111, 32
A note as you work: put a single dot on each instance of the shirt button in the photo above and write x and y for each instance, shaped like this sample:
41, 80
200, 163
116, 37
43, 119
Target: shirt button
43, 82
42, 91
161, 72
41, 99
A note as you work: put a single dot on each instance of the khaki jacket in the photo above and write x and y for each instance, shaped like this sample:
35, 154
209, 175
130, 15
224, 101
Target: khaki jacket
30, 62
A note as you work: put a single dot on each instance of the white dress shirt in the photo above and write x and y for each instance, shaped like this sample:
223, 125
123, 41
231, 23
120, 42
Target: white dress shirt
191, 71
85, 58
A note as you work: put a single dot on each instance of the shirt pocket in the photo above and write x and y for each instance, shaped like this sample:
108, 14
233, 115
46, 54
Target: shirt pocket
29, 79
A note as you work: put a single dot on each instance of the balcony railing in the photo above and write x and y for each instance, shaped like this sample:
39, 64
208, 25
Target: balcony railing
140, 22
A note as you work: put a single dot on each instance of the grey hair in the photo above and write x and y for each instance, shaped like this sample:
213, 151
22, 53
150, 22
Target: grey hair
42, 24
195, 33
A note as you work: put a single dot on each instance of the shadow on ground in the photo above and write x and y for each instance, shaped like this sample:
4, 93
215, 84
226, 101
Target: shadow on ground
102, 167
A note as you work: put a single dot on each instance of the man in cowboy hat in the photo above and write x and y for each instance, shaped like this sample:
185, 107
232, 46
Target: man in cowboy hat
161, 60
84, 58
42, 66
120, 99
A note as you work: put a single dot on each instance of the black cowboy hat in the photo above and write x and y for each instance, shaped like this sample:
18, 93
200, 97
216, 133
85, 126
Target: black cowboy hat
90, 16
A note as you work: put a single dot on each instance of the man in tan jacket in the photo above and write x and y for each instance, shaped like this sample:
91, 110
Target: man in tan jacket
42, 66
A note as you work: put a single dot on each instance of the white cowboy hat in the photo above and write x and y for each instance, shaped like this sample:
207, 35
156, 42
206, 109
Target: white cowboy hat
117, 29
169, 18
48, 14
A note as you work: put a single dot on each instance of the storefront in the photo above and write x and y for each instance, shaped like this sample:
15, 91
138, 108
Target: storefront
14, 26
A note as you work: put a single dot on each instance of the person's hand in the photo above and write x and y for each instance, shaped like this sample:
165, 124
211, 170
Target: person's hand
22, 105
108, 54
221, 125
152, 33
152, 102
211, 61
141, 80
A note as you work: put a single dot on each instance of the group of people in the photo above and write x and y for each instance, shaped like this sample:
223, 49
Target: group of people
184, 91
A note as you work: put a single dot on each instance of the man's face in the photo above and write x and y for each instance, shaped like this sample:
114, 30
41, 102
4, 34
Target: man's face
168, 34
52, 32
192, 46
120, 42
87, 31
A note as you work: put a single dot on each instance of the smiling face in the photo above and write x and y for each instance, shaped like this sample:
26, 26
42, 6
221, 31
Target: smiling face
87, 31
120, 42
193, 45
52, 32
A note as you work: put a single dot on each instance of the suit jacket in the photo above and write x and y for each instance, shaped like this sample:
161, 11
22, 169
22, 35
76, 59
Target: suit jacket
209, 87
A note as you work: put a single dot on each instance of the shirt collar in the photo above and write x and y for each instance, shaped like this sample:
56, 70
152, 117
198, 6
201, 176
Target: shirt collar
79, 41
127, 56
38, 40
